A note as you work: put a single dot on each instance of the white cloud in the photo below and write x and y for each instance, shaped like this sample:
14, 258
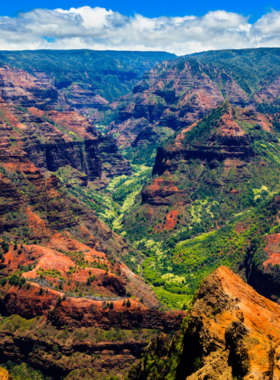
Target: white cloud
101, 29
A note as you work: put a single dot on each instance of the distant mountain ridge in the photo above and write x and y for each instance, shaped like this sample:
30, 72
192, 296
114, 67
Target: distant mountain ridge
176, 93
84, 80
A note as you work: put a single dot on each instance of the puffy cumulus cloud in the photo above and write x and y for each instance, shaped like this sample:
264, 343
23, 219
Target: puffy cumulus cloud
101, 29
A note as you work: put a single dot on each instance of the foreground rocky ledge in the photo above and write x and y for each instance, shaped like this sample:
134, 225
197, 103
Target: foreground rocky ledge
232, 332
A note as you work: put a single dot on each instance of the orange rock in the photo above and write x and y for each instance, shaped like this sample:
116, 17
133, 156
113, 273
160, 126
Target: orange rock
4, 374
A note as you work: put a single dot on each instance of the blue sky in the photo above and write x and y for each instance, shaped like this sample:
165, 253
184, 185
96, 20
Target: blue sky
148, 8
180, 27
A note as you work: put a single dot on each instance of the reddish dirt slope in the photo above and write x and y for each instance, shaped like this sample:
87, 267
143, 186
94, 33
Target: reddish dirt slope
231, 333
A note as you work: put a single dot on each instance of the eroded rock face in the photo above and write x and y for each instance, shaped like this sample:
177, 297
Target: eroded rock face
25, 90
171, 96
175, 94
231, 332
34, 208
85, 312
209, 169
60, 358
228, 139
56, 139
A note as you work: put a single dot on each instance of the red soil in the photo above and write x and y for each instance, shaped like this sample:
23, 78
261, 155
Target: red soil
171, 220
36, 112
273, 250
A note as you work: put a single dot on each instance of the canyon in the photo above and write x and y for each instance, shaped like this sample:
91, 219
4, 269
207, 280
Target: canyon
139, 228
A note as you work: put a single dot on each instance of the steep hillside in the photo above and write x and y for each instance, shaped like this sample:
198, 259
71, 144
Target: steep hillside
176, 93
106, 238
55, 139
61, 263
207, 173
83, 80
212, 173
36, 210
248, 245
231, 332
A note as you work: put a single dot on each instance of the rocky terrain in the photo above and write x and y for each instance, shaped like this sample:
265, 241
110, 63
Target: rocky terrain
4, 374
61, 263
217, 167
119, 242
81, 80
231, 332
177, 93
57, 139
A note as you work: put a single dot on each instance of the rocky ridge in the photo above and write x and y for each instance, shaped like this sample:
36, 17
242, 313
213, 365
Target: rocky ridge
71, 80
56, 139
214, 166
177, 93
231, 332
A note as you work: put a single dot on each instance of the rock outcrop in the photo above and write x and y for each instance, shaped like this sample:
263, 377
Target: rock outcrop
231, 332
176, 93
4, 374
84, 81
220, 165
57, 139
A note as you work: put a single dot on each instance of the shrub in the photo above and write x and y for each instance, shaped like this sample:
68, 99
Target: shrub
3, 281
128, 303
5, 246
55, 349
16, 280
197, 364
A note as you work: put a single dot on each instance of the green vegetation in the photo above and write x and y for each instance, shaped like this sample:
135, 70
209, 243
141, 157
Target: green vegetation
53, 339
249, 67
214, 189
113, 203
79, 260
178, 271
23, 371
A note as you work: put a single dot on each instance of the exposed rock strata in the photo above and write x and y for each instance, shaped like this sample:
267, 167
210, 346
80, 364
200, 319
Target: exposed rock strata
209, 169
231, 332
175, 94
56, 139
